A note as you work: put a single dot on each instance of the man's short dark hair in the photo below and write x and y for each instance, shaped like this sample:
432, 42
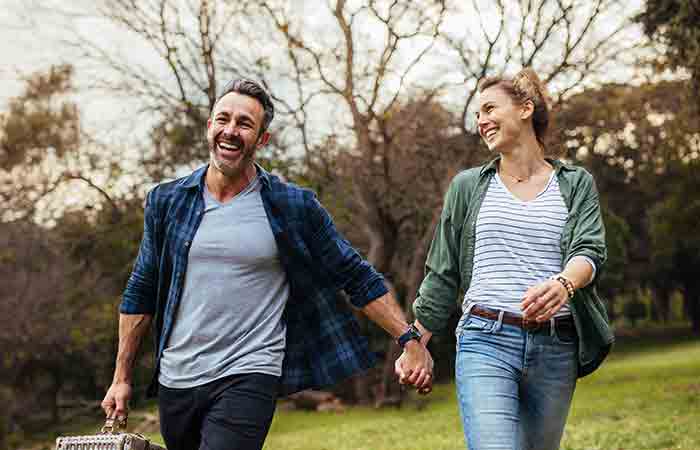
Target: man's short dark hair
252, 89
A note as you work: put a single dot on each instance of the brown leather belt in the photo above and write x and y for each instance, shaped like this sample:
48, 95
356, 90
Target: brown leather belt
560, 323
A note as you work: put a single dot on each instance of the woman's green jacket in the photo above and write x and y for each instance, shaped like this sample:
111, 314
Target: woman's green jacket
451, 256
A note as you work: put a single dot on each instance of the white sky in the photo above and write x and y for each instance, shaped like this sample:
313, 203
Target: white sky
31, 39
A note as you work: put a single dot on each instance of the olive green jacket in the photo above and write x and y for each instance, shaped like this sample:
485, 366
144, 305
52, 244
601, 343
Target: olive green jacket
451, 256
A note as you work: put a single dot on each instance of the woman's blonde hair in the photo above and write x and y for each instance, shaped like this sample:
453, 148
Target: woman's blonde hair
524, 86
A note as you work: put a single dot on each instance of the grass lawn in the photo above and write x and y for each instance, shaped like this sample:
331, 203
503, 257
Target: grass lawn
646, 396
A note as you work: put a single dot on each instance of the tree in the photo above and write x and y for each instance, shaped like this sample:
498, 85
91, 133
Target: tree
674, 24
59, 298
61, 273
640, 142
189, 50
674, 230
40, 124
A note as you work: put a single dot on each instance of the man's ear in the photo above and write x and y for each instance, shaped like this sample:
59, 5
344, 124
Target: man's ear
527, 109
209, 123
263, 140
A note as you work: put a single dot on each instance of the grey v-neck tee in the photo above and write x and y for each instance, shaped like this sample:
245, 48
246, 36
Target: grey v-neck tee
229, 320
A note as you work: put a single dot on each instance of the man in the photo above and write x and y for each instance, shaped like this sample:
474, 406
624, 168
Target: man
239, 273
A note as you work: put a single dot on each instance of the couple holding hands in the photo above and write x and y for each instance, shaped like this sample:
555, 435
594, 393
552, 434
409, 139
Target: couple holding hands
238, 272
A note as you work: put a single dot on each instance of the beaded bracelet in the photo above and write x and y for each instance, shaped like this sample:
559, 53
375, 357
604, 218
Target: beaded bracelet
568, 285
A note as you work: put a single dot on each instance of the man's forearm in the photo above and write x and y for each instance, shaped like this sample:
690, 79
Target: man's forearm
385, 312
132, 328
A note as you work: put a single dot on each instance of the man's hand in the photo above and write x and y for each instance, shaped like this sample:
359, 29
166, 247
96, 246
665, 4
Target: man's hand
116, 401
415, 367
542, 301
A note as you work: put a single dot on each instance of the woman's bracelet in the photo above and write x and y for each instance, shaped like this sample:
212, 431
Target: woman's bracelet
568, 285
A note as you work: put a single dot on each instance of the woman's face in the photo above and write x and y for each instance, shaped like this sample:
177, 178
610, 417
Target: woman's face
499, 119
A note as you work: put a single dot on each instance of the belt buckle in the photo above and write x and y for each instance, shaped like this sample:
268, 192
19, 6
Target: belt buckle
531, 325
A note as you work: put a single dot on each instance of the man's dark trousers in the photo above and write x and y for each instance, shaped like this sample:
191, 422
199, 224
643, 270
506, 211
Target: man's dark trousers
233, 413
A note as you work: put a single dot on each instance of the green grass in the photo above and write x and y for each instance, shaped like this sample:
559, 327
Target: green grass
646, 396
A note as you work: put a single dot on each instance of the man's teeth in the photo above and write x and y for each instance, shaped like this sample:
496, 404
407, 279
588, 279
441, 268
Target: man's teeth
228, 146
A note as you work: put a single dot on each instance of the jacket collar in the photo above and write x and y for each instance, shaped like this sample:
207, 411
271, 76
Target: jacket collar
196, 178
558, 165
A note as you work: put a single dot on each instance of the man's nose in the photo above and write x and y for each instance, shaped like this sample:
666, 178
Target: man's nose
231, 129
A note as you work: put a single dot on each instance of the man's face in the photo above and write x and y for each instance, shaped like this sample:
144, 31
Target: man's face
233, 133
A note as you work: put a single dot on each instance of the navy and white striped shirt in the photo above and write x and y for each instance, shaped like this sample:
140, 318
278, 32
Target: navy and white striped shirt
517, 245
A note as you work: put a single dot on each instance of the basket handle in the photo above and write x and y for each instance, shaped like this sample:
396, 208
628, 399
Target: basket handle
114, 425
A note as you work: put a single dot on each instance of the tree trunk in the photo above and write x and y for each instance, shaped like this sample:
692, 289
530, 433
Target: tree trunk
661, 303
388, 392
692, 306
420, 254
362, 389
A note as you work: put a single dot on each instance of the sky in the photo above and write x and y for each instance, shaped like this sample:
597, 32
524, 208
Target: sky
32, 38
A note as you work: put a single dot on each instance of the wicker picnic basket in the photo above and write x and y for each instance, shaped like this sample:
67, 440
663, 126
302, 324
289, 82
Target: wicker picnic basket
113, 436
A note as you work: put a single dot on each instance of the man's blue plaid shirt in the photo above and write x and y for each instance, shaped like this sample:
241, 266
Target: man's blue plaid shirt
324, 344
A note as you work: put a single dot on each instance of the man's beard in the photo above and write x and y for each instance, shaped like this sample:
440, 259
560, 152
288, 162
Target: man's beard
232, 169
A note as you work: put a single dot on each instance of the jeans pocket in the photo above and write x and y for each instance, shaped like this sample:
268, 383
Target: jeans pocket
469, 322
477, 323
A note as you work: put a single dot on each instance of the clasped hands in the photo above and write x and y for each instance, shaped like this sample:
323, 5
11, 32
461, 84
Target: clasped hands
415, 367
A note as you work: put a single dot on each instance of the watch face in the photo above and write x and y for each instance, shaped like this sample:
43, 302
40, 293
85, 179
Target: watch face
410, 334
415, 331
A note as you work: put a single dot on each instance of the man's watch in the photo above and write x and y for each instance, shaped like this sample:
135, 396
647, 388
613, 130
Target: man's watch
410, 334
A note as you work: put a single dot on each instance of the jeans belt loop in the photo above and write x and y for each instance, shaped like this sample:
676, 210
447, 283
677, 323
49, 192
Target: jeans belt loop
552, 323
468, 311
499, 323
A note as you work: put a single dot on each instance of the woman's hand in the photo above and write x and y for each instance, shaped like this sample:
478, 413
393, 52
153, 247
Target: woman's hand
542, 301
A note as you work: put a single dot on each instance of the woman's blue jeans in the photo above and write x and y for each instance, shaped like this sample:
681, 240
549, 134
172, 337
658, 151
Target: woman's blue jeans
514, 386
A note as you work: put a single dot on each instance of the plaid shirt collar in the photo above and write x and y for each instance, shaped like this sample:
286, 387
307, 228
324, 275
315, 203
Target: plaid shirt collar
196, 178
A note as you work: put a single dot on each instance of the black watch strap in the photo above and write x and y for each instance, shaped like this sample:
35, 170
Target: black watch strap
410, 334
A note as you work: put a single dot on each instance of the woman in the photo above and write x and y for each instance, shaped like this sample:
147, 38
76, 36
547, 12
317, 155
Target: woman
523, 238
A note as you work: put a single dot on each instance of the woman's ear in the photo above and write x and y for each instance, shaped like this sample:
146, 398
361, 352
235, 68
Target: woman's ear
527, 109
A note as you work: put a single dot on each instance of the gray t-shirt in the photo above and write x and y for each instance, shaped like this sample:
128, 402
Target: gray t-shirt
229, 319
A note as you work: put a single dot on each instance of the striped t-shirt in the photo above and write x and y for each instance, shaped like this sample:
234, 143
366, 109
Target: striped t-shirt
517, 245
